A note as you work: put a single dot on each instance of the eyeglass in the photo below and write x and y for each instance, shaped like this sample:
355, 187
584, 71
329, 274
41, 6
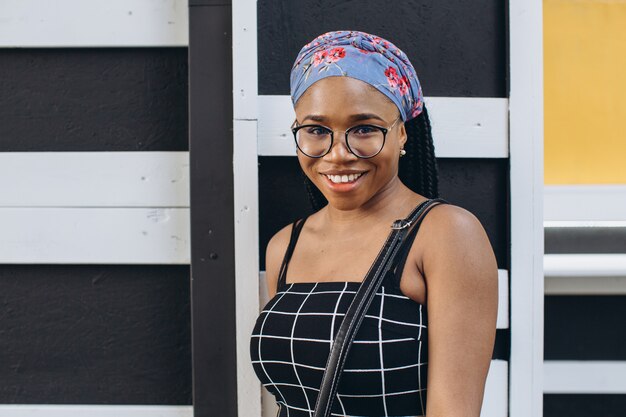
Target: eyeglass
364, 141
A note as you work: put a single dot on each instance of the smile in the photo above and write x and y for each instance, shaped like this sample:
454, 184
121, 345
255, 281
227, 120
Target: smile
343, 179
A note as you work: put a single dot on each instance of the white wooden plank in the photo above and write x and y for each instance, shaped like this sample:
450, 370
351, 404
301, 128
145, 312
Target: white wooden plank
94, 235
495, 400
245, 62
246, 206
79, 23
526, 207
49, 410
463, 127
601, 202
502, 321
585, 265
585, 377
94, 179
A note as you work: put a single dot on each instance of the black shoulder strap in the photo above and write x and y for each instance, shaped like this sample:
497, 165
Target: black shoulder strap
359, 305
296, 228
400, 260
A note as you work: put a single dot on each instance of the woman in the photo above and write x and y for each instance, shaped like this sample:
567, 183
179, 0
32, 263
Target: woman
425, 345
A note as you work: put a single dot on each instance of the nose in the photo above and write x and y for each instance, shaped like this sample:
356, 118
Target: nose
339, 150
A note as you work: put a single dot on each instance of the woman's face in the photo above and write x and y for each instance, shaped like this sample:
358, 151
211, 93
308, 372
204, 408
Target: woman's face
340, 103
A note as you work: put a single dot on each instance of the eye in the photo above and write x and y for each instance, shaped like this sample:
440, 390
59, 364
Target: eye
364, 130
316, 130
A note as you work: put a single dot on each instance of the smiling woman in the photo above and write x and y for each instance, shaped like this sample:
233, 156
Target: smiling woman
359, 113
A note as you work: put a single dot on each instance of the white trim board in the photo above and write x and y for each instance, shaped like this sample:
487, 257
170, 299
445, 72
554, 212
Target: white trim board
585, 265
463, 127
94, 179
94, 236
78, 23
495, 401
584, 377
502, 321
601, 202
246, 199
49, 410
526, 206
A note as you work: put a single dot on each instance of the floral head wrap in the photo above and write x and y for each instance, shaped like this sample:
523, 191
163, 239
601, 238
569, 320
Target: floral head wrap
365, 57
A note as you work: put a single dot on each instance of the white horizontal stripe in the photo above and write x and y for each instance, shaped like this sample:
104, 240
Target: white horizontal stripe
585, 285
78, 23
94, 179
600, 202
503, 295
463, 127
584, 223
288, 313
94, 235
584, 377
319, 368
47, 410
327, 341
584, 265
495, 401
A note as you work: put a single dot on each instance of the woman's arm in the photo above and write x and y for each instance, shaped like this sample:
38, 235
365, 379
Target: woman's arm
462, 298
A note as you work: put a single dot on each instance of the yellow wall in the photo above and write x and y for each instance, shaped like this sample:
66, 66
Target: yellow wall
585, 91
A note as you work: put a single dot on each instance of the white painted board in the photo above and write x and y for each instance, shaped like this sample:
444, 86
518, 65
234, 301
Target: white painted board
80, 23
463, 127
94, 235
94, 179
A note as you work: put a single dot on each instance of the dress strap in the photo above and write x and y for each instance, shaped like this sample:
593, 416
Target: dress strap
395, 274
296, 228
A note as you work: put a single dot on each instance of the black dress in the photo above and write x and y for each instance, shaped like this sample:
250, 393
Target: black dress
386, 368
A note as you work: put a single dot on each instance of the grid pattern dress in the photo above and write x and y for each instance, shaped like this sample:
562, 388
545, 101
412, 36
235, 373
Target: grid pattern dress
386, 368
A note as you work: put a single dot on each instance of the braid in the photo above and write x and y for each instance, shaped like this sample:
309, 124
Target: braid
316, 198
418, 169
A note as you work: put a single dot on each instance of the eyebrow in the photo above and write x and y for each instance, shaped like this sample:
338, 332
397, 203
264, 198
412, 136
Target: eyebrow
355, 117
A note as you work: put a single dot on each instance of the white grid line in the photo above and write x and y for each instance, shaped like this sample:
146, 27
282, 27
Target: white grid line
380, 351
293, 360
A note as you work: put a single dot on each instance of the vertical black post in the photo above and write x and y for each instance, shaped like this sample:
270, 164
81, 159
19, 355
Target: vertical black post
212, 217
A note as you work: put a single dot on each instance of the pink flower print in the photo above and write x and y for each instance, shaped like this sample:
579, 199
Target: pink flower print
392, 77
335, 55
319, 57
403, 85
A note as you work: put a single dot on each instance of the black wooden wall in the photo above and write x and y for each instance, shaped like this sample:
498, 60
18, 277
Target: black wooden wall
94, 334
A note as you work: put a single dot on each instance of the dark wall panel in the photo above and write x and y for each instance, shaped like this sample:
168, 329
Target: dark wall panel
585, 327
584, 405
93, 99
457, 47
478, 185
86, 334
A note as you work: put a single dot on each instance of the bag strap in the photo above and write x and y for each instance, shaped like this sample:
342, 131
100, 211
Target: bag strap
360, 304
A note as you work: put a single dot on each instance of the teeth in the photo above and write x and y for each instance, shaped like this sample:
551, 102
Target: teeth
339, 179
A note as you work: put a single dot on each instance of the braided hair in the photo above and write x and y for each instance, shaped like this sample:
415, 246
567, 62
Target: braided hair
417, 170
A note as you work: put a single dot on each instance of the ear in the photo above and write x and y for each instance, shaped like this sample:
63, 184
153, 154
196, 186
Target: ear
403, 136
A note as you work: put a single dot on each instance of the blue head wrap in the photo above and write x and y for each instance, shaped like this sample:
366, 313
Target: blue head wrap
365, 57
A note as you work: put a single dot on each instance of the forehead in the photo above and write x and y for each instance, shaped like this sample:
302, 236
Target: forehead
343, 96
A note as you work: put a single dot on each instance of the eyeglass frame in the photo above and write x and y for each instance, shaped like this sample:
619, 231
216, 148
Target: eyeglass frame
385, 130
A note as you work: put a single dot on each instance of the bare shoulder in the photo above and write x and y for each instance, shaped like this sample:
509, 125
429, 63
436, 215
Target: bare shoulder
274, 254
457, 239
